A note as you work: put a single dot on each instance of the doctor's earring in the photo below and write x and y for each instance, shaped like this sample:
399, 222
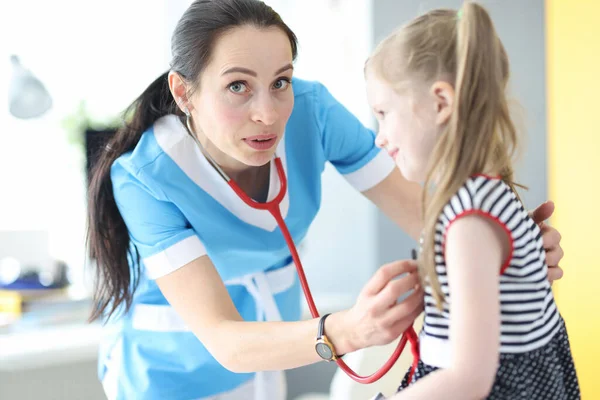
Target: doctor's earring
183, 108
188, 121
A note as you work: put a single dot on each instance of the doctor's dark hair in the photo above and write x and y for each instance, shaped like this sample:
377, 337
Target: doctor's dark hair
108, 243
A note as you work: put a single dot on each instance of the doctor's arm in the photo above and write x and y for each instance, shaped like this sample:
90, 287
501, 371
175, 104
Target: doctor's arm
199, 296
400, 200
475, 250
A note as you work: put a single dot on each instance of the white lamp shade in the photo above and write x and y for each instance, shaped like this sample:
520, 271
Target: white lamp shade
27, 96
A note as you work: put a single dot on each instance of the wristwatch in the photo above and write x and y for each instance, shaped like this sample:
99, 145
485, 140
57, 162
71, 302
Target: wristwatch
323, 346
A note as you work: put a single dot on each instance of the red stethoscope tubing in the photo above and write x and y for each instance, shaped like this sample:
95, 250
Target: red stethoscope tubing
273, 208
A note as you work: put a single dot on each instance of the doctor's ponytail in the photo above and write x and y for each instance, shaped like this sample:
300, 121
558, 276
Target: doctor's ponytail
107, 235
108, 243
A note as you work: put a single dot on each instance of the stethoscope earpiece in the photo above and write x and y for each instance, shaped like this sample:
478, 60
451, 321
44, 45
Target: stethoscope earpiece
190, 130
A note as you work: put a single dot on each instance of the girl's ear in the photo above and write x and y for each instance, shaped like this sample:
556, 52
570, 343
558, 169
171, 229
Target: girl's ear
443, 98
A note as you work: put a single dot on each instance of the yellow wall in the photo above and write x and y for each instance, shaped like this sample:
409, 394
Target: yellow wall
573, 61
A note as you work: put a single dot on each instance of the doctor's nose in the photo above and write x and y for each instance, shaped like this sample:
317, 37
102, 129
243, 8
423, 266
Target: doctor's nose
265, 111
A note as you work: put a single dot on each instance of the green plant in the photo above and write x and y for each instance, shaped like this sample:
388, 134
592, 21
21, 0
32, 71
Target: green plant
81, 120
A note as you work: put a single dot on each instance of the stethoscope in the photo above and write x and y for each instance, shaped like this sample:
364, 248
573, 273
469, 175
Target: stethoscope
273, 208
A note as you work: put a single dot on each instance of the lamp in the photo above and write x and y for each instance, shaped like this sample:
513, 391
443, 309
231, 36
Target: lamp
27, 96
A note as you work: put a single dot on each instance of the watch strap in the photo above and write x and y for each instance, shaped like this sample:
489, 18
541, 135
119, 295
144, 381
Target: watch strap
321, 329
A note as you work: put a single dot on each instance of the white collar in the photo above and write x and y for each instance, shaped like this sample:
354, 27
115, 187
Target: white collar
172, 136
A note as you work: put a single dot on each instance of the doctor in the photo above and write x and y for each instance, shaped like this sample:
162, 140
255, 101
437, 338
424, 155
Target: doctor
198, 285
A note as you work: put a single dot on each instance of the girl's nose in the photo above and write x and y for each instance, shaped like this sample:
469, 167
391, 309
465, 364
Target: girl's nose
380, 140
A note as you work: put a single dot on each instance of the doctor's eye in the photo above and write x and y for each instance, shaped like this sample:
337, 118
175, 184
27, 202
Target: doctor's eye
237, 87
282, 84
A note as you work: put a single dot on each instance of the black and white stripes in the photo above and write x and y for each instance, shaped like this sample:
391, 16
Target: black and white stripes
528, 312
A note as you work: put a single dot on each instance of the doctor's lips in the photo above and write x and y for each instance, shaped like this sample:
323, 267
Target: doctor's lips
261, 142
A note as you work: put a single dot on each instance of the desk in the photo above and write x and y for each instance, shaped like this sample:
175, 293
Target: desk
57, 362
49, 346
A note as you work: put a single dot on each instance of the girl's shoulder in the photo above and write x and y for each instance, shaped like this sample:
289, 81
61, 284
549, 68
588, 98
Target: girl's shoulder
486, 195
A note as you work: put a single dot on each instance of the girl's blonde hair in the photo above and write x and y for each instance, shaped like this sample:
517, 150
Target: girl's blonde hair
463, 49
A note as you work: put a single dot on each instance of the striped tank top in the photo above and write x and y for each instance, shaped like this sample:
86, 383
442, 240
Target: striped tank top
529, 317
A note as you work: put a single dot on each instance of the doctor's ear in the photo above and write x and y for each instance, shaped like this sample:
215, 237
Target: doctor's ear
443, 99
178, 88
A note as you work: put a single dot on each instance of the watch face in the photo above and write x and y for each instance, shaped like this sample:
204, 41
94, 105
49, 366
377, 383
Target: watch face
324, 351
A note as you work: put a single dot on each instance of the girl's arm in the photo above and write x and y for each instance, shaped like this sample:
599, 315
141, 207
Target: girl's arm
476, 247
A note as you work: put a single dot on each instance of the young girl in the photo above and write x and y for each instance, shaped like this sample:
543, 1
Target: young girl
492, 329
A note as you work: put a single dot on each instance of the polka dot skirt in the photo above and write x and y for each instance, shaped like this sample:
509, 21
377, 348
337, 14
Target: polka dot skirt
543, 374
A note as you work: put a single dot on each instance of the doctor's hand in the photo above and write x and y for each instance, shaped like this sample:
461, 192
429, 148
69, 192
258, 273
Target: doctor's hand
377, 317
551, 239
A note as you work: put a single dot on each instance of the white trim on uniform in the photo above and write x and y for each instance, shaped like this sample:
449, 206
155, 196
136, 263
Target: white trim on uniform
175, 141
262, 286
174, 257
372, 173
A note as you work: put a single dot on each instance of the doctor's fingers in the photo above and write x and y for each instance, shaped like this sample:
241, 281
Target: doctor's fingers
387, 273
402, 325
396, 290
404, 313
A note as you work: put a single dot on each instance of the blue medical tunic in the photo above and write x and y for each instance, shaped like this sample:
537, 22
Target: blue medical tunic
177, 208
